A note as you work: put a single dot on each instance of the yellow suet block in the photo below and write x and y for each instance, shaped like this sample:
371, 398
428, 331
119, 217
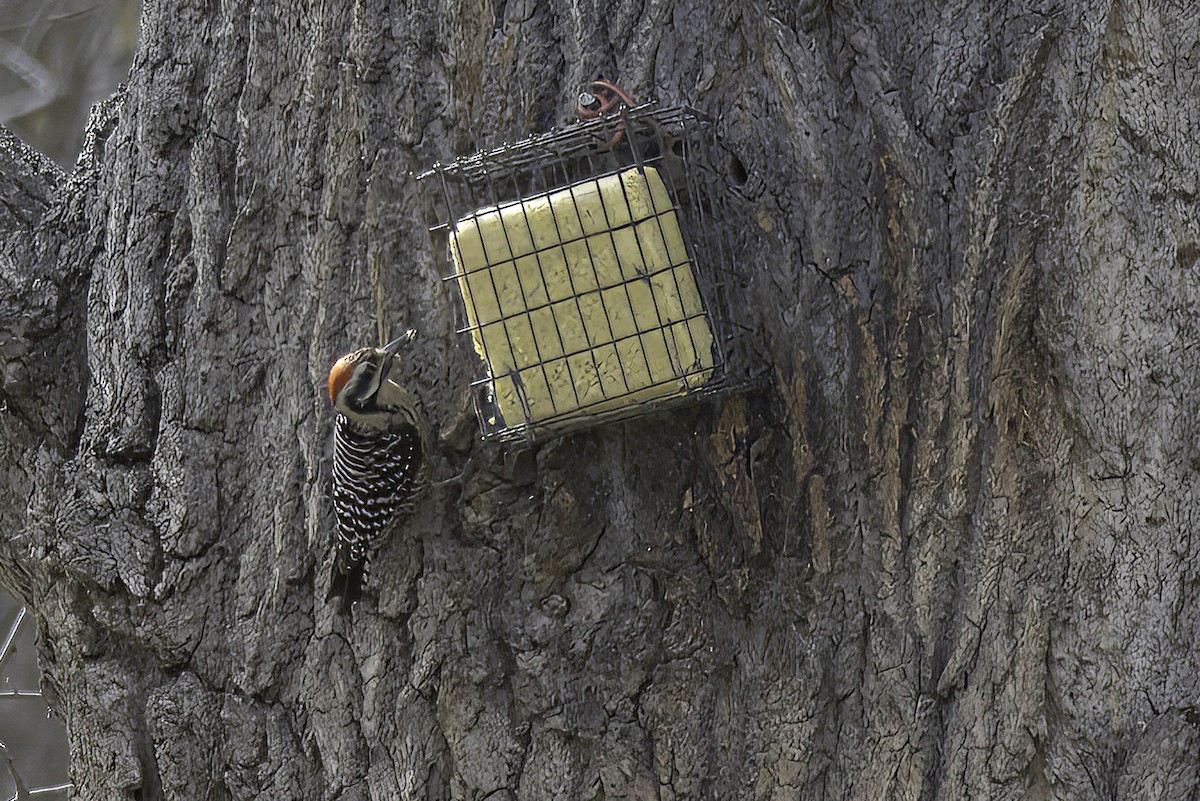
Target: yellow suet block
583, 298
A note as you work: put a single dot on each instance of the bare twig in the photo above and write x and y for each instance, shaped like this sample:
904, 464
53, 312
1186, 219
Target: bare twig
22, 790
12, 635
57, 788
49, 18
42, 86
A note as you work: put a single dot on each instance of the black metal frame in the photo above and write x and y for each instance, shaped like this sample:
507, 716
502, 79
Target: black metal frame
680, 144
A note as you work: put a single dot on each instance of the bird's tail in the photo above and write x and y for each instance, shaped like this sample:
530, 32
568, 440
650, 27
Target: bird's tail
346, 585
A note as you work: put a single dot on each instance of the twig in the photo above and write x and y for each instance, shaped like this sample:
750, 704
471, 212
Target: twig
43, 89
58, 788
22, 791
12, 635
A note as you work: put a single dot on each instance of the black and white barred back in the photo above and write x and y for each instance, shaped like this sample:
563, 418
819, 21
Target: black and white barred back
377, 478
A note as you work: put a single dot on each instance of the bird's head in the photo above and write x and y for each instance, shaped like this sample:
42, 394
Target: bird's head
359, 385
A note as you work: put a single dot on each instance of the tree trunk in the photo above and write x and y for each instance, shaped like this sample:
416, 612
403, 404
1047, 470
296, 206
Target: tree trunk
945, 552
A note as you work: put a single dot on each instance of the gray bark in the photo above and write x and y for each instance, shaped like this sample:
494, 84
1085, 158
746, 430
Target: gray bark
945, 553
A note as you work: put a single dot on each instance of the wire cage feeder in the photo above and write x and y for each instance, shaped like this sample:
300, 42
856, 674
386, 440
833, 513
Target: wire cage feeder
597, 272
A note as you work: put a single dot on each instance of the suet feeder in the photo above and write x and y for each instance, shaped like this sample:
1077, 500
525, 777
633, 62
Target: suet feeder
597, 271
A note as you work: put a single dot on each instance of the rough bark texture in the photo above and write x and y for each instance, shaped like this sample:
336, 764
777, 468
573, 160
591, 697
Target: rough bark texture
947, 552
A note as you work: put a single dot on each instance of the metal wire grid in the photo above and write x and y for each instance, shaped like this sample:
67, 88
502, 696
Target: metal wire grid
676, 141
663, 320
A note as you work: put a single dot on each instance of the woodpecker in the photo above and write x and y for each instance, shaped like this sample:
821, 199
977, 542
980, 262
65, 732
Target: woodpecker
380, 446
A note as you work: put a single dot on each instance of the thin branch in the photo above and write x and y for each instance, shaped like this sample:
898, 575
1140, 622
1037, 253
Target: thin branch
58, 788
22, 791
19, 694
59, 17
12, 635
42, 88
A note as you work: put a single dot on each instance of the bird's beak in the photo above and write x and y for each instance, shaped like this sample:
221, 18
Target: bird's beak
391, 348
389, 352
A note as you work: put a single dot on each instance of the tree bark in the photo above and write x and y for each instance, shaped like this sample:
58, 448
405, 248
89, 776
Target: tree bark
945, 552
